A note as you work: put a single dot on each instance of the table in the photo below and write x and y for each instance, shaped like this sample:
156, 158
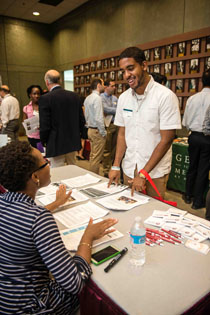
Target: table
173, 279
179, 167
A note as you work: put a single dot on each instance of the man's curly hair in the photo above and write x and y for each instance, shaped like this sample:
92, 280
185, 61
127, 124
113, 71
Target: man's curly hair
16, 165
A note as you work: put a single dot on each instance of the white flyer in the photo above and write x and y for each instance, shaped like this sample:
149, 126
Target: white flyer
72, 237
75, 197
48, 190
31, 124
123, 200
79, 215
102, 189
80, 181
154, 221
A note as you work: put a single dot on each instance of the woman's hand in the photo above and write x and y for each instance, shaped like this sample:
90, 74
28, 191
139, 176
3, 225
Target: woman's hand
98, 230
61, 195
61, 198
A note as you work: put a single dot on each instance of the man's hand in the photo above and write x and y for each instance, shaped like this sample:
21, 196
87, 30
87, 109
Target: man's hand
138, 184
114, 176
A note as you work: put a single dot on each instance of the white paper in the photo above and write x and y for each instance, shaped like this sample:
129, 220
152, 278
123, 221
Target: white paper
80, 181
172, 227
154, 221
72, 237
197, 237
31, 125
49, 190
101, 190
176, 212
202, 231
123, 201
79, 215
160, 214
202, 248
3, 140
75, 197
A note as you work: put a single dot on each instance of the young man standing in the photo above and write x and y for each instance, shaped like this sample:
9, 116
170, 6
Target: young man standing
147, 116
109, 101
95, 121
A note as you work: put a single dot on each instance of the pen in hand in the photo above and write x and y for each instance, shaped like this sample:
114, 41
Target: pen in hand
116, 259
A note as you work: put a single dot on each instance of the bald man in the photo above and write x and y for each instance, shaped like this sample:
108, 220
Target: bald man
61, 121
10, 113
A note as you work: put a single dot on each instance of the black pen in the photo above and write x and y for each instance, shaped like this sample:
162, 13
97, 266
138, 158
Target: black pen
116, 259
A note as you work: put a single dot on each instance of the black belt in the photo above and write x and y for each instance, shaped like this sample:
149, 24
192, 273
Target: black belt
92, 127
197, 133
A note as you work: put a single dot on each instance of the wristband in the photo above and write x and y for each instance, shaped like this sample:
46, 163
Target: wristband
86, 244
115, 168
142, 174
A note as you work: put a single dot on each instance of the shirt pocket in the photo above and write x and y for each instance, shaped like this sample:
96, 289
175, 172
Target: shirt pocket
149, 118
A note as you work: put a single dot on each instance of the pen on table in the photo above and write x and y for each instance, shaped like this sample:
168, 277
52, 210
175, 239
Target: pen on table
116, 259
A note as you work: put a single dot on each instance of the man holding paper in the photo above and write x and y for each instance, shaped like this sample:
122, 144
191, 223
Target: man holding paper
147, 116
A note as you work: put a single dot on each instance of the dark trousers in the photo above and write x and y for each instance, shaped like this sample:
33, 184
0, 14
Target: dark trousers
198, 172
11, 129
208, 206
33, 142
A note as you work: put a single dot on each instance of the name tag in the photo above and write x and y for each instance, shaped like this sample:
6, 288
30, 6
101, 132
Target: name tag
127, 112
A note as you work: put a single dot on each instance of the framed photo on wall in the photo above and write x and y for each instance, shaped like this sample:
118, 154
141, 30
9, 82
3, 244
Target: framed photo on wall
147, 55
168, 84
81, 68
82, 80
193, 85
87, 67
105, 76
157, 53
92, 66
77, 69
157, 68
112, 75
194, 65
87, 79
195, 46
169, 51
208, 43
105, 64
207, 63
112, 62
180, 67
98, 65
77, 80
120, 88
167, 68
119, 75
181, 49
179, 85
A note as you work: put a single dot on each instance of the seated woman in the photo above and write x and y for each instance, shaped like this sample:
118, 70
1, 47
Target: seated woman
31, 245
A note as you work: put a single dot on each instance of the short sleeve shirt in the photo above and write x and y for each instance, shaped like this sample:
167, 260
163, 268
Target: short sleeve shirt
143, 116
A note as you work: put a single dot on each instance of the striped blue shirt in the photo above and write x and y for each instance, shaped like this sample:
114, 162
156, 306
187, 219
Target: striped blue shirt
30, 247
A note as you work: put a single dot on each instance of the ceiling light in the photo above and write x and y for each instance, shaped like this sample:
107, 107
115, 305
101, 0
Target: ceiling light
36, 13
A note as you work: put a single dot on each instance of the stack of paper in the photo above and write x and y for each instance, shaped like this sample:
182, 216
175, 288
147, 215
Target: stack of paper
80, 181
123, 201
75, 197
188, 225
79, 215
101, 190
72, 237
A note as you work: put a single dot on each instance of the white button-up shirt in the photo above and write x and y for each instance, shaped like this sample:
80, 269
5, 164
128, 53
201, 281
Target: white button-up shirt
195, 110
10, 109
143, 116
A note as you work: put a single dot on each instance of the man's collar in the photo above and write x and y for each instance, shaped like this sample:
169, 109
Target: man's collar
52, 88
148, 87
107, 95
95, 91
6, 95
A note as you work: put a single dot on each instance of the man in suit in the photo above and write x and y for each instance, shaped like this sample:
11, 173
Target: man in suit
61, 121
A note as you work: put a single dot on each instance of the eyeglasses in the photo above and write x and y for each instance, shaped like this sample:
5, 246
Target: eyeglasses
42, 166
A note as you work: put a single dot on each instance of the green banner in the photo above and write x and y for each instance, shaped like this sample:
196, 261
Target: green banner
180, 165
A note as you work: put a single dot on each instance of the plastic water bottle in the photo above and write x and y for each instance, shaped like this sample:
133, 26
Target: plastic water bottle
137, 243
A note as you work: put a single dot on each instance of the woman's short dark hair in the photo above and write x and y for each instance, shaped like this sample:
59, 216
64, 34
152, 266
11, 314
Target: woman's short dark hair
29, 89
16, 165
133, 52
